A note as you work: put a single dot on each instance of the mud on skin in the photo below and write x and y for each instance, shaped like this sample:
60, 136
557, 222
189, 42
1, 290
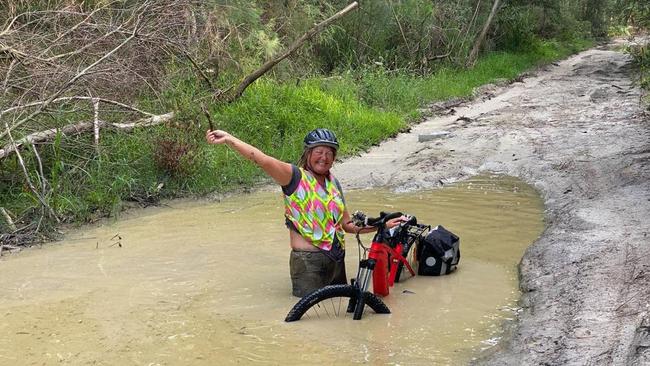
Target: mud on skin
576, 131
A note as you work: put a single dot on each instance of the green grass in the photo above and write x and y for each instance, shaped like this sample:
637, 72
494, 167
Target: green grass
362, 107
404, 93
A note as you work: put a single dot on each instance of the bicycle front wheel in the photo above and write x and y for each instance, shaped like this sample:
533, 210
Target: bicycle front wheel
332, 302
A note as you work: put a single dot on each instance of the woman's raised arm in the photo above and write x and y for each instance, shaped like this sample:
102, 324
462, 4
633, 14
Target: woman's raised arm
276, 169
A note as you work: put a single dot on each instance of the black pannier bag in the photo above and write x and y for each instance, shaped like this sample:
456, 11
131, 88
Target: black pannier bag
439, 253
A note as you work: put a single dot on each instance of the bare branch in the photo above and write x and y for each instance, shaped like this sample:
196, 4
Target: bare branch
84, 71
7, 76
19, 55
55, 64
269, 64
199, 70
28, 180
96, 123
67, 99
77, 128
65, 86
73, 28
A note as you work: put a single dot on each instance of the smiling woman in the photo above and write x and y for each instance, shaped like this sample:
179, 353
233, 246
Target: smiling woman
315, 211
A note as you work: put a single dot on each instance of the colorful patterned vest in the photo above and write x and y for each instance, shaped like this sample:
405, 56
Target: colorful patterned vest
316, 212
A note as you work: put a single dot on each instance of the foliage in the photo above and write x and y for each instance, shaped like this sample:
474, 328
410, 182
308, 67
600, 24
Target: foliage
521, 21
517, 27
635, 13
641, 55
409, 34
595, 13
366, 77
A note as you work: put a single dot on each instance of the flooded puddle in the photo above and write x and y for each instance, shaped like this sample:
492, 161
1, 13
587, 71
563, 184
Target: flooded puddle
205, 284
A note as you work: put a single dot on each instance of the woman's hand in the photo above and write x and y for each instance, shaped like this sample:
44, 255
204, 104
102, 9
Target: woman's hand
217, 136
396, 221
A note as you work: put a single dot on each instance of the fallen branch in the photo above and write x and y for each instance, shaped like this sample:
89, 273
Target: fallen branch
269, 64
96, 124
77, 128
198, 69
69, 99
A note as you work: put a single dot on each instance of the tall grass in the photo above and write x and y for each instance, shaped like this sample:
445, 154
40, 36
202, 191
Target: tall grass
363, 107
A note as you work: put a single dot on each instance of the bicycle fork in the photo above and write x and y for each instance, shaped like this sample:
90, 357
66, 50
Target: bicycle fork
361, 282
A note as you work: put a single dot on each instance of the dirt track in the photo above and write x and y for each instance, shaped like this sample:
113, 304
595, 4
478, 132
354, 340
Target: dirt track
577, 132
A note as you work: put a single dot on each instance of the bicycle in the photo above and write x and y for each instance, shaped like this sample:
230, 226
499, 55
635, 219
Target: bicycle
392, 251
383, 262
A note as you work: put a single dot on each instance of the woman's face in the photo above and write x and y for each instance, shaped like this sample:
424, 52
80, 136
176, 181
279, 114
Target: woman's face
321, 159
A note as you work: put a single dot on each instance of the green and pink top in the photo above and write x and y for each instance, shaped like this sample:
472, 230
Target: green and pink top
316, 212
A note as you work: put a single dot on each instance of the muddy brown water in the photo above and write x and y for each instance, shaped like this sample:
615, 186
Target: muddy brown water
204, 284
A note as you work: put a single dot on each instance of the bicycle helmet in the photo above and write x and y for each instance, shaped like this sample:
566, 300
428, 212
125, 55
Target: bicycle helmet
321, 137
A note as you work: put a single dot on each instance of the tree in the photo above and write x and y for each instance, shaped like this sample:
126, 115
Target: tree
473, 55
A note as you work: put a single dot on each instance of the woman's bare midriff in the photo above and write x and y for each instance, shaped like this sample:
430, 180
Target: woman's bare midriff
299, 243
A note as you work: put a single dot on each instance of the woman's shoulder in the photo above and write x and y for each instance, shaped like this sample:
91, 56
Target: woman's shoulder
296, 174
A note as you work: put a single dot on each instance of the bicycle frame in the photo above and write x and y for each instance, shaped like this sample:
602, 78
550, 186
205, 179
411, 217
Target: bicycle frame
387, 263
388, 253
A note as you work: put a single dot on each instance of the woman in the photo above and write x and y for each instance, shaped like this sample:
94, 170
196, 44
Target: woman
315, 212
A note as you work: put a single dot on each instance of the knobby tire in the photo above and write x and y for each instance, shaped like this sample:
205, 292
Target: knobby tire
333, 291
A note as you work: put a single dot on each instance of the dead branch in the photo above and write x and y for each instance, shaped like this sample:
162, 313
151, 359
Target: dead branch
41, 174
207, 116
7, 76
28, 180
72, 30
63, 70
66, 85
96, 124
73, 98
77, 128
269, 64
438, 57
199, 70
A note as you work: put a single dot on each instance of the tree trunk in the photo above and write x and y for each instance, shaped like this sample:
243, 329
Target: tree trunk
473, 55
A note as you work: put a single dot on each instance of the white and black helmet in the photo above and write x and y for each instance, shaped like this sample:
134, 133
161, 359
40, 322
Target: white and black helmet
321, 137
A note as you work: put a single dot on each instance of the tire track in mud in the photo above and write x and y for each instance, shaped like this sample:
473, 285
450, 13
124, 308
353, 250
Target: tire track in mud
577, 132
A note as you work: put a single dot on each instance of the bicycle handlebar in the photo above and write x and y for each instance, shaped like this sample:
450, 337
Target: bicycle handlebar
360, 219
